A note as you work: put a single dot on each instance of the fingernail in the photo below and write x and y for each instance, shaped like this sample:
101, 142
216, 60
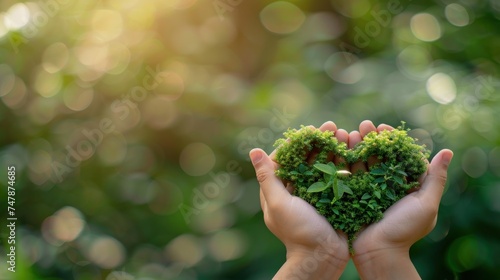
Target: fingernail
255, 156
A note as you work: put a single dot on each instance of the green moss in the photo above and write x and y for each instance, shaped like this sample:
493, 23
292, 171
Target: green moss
400, 163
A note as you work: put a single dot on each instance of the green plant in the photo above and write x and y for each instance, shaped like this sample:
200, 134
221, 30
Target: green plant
350, 201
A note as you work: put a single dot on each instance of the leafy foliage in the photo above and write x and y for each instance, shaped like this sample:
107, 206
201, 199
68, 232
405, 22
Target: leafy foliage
353, 201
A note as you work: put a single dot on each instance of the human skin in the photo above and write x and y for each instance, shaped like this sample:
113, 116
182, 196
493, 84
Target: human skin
382, 249
316, 251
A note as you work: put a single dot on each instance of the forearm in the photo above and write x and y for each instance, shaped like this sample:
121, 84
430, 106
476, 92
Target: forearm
314, 265
386, 264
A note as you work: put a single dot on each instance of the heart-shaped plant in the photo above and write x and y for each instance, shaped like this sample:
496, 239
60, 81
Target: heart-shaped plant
350, 201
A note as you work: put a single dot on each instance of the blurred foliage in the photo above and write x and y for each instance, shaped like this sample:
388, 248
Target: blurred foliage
129, 124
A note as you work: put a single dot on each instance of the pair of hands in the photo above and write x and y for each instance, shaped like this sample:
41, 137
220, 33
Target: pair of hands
316, 251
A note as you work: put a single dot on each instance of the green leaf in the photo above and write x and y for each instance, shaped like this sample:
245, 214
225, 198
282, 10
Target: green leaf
302, 168
335, 211
401, 172
377, 194
327, 177
343, 188
326, 168
377, 171
390, 194
398, 180
383, 186
366, 196
317, 187
379, 180
324, 200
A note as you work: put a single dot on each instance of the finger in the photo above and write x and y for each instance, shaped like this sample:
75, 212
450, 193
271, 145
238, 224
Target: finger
355, 138
435, 180
366, 127
342, 136
383, 127
272, 187
329, 125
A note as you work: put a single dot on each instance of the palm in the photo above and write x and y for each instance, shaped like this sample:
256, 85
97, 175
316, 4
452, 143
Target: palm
404, 223
408, 220
295, 222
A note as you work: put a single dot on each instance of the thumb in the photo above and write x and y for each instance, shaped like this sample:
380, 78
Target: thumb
435, 180
271, 186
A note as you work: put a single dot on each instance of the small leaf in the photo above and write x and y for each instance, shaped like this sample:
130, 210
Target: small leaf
379, 180
401, 172
302, 168
377, 171
377, 194
383, 186
390, 194
366, 196
326, 168
327, 177
344, 188
308, 173
324, 200
398, 180
335, 211
317, 187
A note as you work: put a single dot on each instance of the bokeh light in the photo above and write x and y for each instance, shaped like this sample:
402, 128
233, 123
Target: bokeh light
185, 249
197, 159
344, 67
352, 9
17, 16
129, 123
63, 226
106, 252
475, 162
425, 27
457, 15
227, 245
282, 17
441, 88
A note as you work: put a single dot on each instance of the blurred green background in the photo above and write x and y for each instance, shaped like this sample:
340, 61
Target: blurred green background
129, 124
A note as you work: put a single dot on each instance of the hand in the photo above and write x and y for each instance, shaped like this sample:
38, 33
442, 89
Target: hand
382, 249
314, 249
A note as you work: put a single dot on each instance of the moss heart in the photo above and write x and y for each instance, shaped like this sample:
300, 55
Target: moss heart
350, 201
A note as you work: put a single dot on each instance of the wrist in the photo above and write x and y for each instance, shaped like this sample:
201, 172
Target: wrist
312, 263
387, 263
